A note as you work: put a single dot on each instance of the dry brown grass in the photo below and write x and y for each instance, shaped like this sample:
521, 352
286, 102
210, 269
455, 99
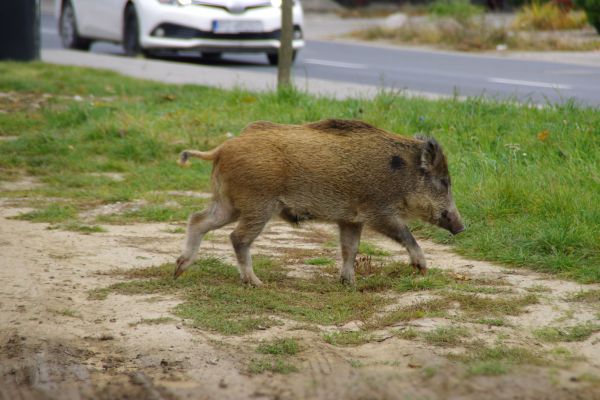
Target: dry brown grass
548, 17
477, 35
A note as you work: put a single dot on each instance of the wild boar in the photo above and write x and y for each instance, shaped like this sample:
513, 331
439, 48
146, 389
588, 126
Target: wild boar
342, 171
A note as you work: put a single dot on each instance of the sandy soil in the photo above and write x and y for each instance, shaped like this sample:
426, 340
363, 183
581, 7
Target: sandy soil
55, 343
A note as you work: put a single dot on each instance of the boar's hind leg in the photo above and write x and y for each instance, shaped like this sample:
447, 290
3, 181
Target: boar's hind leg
242, 237
398, 231
349, 239
214, 217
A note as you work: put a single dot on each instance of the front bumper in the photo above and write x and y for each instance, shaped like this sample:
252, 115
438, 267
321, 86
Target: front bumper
190, 28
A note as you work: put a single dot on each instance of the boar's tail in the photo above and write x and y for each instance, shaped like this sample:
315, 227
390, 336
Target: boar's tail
185, 155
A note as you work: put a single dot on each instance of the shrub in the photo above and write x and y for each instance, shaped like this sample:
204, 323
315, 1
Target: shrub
548, 16
592, 10
461, 10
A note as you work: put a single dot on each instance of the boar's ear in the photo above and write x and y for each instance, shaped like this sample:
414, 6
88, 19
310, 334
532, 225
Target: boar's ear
431, 154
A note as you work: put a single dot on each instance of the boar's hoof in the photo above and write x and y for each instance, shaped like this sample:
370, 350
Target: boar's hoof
253, 280
347, 280
420, 267
182, 263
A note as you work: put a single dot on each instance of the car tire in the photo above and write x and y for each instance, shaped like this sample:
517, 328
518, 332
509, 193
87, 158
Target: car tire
131, 33
274, 57
211, 55
67, 28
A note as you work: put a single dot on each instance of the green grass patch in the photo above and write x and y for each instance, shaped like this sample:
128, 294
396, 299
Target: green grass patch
504, 158
430, 308
271, 364
408, 334
215, 299
53, 213
287, 347
538, 289
76, 226
446, 336
586, 296
347, 338
575, 333
476, 307
370, 249
320, 261
401, 278
492, 321
498, 360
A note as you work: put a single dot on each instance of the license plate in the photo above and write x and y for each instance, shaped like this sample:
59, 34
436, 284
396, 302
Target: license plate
237, 26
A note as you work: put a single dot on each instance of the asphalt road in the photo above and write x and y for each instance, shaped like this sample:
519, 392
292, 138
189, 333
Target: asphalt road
427, 71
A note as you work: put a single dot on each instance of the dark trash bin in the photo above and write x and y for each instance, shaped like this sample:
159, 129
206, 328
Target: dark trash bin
19, 30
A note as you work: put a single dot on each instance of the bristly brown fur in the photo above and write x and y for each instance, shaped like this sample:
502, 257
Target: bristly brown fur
343, 171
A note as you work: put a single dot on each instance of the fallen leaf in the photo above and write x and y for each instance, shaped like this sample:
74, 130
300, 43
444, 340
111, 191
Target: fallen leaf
543, 135
460, 277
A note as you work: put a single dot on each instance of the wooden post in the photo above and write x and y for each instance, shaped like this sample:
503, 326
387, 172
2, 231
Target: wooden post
286, 49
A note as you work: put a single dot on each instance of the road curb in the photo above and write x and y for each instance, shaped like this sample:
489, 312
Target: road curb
220, 77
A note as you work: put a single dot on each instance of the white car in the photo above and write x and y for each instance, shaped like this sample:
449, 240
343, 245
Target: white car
147, 26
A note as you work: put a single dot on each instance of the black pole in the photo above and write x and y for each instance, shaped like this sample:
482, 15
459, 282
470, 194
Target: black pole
20, 30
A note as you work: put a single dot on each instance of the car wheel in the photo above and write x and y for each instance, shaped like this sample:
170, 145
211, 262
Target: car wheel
131, 33
67, 27
212, 56
274, 57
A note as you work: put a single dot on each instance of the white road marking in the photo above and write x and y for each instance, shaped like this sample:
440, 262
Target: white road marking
530, 83
335, 64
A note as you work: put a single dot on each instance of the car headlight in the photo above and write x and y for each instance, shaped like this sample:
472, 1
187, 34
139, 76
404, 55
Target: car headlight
176, 2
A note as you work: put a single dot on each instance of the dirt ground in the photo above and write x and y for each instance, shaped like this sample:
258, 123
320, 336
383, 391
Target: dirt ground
56, 343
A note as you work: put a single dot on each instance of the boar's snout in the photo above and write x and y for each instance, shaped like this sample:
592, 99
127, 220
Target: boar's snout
451, 221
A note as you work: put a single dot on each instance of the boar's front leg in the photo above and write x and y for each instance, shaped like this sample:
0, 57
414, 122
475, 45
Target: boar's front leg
349, 239
397, 230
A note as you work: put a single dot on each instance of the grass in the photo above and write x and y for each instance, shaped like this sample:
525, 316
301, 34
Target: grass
277, 357
423, 309
461, 10
476, 307
370, 249
461, 25
548, 16
497, 360
288, 347
152, 321
136, 128
492, 321
270, 364
347, 338
214, 298
576, 333
538, 289
53, 213
586, 296
446, 336
76, 226
67, 312
320, 261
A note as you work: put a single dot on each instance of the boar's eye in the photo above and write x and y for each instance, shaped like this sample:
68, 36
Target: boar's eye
445, 183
